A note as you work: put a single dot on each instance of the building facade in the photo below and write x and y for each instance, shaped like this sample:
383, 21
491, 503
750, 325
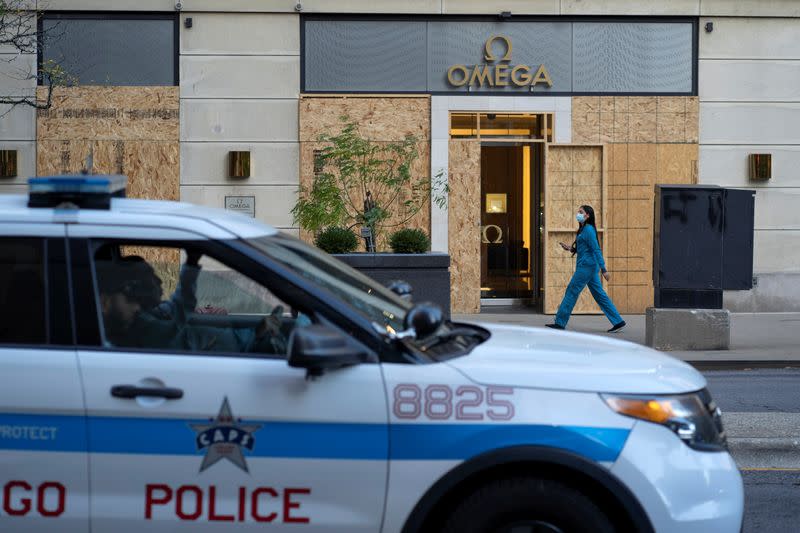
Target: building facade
528, 109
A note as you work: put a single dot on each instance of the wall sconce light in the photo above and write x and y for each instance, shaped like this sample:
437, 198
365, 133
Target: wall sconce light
187, 22
760, 167
496, 203
709, 27
239, 164
8, 163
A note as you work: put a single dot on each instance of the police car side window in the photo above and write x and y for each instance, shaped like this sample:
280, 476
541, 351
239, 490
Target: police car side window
171, 299
22, 291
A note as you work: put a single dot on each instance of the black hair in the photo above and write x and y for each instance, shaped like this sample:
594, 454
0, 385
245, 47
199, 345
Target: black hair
591, 222
133, 277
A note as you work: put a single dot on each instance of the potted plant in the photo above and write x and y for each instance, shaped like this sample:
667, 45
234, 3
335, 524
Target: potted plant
370, 187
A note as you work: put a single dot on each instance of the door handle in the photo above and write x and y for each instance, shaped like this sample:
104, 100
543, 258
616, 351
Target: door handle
132, 391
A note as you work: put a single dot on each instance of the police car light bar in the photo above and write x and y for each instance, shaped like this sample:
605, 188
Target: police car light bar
72, 192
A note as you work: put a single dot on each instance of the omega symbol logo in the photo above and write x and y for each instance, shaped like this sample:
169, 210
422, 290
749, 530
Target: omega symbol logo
485, 234
498, 72
489, 55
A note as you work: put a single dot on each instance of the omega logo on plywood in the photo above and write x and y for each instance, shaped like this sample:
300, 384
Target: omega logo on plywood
501, 73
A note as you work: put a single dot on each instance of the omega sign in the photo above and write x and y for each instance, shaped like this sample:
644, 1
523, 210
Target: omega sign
501, 74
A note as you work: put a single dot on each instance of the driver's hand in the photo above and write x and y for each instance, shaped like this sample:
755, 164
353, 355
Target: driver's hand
271, 324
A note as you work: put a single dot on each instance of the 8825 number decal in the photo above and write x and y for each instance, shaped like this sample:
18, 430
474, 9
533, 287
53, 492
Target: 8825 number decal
442, 402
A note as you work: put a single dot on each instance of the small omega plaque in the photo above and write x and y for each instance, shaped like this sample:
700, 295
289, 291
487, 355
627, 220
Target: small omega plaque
245, 205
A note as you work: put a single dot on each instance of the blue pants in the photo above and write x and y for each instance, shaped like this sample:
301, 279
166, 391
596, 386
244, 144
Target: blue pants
586, 276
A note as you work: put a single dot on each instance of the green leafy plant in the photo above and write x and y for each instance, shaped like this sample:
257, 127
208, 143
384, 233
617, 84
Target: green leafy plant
409, 241
360, 182
336, 240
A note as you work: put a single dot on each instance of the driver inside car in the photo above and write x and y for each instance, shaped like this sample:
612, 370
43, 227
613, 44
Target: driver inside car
135, 317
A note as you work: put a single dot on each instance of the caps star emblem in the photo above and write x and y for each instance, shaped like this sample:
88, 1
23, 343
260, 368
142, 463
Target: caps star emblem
224, 438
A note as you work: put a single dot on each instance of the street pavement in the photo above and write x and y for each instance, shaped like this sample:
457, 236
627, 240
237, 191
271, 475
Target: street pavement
761, 415
761, 406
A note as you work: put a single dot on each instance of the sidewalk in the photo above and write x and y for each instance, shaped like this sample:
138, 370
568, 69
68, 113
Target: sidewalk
754, 336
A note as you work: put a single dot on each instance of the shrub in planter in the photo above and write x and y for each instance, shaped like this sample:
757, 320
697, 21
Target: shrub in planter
409, 241
336, 240
358, 181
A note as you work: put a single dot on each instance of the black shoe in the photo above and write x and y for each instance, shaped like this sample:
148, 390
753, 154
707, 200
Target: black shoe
619, 327
554, 326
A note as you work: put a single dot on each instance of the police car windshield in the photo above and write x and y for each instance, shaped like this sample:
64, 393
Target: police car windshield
378, 303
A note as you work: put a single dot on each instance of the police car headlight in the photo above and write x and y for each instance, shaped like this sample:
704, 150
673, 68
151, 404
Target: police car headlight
694, 418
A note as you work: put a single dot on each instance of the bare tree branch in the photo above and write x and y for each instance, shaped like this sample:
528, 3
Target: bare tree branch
20, 36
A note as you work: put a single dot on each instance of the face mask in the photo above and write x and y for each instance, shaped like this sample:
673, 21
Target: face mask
580, 218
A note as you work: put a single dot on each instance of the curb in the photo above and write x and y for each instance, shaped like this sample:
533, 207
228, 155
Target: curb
764, 444
759, 453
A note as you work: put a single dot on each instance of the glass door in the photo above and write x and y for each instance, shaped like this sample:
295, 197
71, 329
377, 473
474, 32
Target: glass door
510, 221
512, 208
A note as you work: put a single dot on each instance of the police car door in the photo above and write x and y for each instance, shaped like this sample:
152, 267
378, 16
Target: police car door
200, 437
43, 467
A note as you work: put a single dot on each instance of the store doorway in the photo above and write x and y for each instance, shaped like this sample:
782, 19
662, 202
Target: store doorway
511, 222
512, 154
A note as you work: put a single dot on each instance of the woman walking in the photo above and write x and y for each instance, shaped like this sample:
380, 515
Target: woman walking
590, 261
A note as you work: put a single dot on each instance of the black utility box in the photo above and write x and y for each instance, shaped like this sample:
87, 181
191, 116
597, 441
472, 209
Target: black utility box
703, 244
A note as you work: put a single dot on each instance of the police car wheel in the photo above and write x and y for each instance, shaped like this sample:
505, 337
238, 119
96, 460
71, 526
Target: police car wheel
527, 505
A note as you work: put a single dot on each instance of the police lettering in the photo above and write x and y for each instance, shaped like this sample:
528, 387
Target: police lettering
190, 503
20, 498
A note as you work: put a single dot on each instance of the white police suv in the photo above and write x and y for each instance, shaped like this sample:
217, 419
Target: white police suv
167, 367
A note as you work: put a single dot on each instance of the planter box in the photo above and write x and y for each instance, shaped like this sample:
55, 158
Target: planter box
428, 274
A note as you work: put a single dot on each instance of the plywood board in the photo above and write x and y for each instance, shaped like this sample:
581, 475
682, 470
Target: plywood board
643, 104
126, 130
622, 104
671, 127
607, 104
585, 126
574, 177
152, 167
660, 147
621, 127
464, 241
586, 104
641, 156
111, 113
378, 119
671, 104
642, 127
676, 163
606, 124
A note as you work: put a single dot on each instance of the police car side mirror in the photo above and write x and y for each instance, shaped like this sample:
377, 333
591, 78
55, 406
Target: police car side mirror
317, 348
424, 319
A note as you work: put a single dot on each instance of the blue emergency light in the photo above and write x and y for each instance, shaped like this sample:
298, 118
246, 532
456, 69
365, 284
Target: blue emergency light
72, 192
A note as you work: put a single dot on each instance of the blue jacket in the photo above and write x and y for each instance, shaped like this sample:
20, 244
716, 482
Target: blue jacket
589, 253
